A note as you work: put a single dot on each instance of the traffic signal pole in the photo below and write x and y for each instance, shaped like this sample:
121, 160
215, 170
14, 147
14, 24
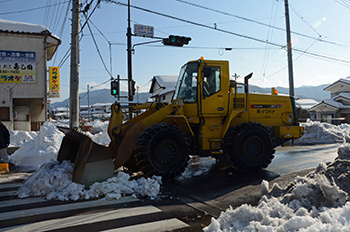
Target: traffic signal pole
129, 50
289, 50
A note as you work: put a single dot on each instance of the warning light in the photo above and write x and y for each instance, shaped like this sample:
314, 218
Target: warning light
202, 58
274, 91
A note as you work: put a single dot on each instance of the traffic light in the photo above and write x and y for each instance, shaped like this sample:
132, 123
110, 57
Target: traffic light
133, 89
114, 88
175, 40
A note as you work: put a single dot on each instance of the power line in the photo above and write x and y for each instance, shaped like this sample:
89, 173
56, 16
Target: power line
233, 33
254, 21
98, 50
32, 9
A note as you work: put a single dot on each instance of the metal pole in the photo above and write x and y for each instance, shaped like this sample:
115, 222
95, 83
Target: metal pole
74, 67
88, 92
129, 49
289, 50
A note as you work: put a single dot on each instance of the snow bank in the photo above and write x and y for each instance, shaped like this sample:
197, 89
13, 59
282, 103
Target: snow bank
41, 149
18, 138
54, 181
323, 133
316, 202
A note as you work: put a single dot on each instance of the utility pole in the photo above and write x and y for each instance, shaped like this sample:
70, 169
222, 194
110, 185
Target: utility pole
129, 49
289, 51
88, 93
74, 66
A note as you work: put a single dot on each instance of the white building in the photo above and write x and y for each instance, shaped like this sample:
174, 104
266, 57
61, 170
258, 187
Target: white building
24, 51
163, 87
337, 109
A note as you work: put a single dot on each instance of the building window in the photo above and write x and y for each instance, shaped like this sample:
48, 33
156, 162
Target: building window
5, 113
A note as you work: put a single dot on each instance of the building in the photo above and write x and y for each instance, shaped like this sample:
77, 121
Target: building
337, 109
24, 51
163, 87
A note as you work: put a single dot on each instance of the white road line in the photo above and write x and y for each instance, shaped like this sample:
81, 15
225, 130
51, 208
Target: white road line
159, 226
23, 201
62, 208
8, 193
83, 219
11, 185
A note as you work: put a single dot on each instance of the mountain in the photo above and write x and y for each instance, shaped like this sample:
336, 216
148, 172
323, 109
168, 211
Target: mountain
101, 96
304, 92
104, 95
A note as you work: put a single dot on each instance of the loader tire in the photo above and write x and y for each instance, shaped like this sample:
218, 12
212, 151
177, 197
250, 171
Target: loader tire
162, 150
250, 147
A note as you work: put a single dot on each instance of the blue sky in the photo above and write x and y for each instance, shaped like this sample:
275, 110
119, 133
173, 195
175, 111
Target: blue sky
261, 20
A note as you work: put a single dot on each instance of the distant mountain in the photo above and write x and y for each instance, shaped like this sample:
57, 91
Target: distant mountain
101, 96
104, 95
304, 92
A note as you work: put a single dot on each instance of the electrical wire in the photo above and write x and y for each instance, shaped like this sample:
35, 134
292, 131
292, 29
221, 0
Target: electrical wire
303, 19
32, 9
98, 50
260, 23
233, 33
267, 46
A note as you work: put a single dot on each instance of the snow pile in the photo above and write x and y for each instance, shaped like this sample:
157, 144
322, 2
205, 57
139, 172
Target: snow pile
102, 136
54, 181
41, 149
18, 138
197, 166
323, 133
316, 202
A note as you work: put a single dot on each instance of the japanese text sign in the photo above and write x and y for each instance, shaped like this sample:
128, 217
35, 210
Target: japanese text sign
17, 67
54, 82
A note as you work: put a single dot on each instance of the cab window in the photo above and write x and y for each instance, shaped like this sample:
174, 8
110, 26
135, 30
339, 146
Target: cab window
212, 83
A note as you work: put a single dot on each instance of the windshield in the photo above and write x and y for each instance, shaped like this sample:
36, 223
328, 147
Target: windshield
186, 87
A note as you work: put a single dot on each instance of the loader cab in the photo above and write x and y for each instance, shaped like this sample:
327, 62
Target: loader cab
203, 87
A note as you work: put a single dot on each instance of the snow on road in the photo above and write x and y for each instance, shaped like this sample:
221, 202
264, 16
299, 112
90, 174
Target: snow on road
316, 202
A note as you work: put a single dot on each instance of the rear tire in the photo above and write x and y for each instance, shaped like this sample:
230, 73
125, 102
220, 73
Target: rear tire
162, 150
250, 147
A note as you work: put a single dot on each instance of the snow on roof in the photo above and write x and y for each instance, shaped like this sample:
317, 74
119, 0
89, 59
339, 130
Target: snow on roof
330, 103
306, 103
102, 104
342, 96
164, 81
345, 81
13, 26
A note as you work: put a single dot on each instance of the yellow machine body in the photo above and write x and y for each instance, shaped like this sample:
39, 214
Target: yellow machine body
210, 115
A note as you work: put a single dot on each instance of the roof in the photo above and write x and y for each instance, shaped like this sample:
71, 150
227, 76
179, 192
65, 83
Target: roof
329, 103
53, 41
164, 81
342, 97
306, 103
341, 81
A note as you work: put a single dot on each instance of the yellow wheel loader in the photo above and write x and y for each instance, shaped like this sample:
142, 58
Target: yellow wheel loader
210, 115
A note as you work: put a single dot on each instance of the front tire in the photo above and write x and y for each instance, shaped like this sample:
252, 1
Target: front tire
250, 147
162, 150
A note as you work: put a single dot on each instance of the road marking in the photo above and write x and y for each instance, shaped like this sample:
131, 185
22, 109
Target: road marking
84, 219
8, 193
11, 185
23, 201
62, 208
159, 226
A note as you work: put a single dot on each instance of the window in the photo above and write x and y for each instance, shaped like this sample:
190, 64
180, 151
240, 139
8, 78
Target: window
212, 84
186, 88
5, 113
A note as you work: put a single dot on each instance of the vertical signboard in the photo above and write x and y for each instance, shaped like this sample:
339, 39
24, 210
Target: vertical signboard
17, 67
54, 82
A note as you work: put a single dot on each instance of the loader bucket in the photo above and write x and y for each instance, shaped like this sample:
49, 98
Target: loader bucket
92, 162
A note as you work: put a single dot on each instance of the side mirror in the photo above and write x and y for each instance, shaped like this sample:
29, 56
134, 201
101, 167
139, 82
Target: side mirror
206, 71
